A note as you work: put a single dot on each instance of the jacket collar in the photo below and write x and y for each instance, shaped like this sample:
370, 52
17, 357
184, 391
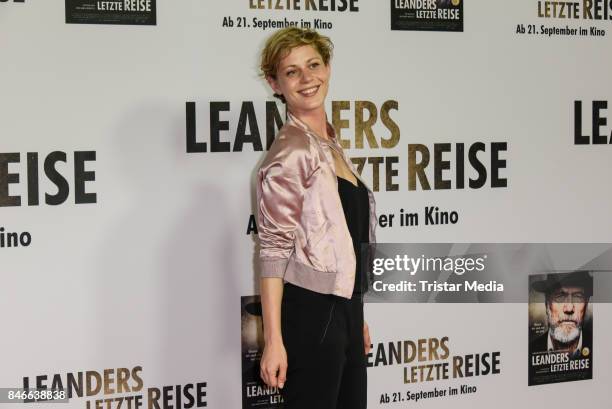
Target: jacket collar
293, 120
332, 142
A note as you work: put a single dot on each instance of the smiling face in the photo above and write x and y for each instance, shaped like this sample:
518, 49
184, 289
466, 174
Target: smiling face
303, 79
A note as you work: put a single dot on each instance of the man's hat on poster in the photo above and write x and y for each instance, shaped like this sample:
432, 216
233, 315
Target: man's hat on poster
553, 281
254, 308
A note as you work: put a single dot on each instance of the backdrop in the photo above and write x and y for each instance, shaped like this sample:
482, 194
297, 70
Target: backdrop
131, 133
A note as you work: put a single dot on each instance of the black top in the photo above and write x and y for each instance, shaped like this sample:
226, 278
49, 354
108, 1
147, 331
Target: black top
356, 206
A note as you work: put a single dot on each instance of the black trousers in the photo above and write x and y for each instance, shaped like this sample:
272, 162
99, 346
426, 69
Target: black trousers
323, 336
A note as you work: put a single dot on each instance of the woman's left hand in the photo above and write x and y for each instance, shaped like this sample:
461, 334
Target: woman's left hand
367, 342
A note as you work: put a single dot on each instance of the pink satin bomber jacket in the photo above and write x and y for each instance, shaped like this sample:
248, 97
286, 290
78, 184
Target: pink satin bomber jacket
303, 233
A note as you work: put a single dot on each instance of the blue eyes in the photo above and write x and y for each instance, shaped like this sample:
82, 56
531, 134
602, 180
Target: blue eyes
312, 66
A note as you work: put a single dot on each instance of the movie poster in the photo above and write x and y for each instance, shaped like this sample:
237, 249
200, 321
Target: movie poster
124, 12
255, 393
427, 15
560, 327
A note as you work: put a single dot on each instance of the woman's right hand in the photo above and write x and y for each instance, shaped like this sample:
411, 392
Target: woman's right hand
273, 366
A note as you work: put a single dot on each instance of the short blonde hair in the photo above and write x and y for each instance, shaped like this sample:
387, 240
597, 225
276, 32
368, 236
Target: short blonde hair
281, 42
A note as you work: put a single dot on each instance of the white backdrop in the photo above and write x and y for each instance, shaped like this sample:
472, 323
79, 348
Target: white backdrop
152, 273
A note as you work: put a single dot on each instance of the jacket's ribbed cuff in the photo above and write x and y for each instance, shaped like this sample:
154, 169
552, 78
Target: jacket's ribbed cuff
273, 267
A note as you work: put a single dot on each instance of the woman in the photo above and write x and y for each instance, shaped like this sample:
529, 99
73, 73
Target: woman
314, 213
